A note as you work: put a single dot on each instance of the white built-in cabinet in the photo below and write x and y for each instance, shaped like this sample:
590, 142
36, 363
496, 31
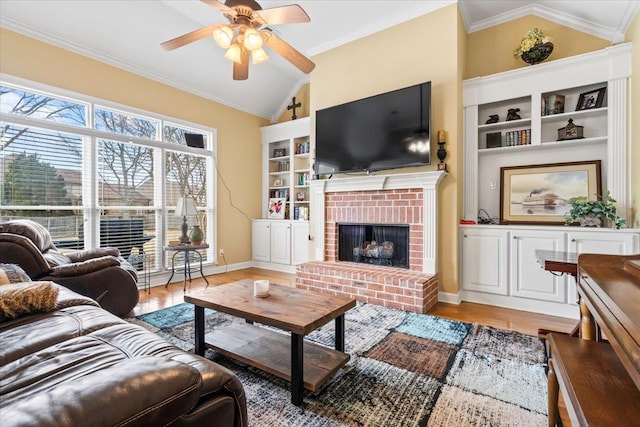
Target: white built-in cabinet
281, 244
486, 271
498, 264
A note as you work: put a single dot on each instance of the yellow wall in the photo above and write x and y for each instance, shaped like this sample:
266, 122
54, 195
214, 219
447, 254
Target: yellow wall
634, 33
434, 47
239, 143
397, 57
302, 96
490, 50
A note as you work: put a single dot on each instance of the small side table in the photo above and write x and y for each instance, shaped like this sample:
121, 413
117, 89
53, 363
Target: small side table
186, 250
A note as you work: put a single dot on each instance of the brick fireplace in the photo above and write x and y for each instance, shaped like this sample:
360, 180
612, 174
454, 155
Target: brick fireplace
402, 199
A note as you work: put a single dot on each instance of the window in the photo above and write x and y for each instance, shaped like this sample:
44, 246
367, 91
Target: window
16, 101
113, 181
41, 175
186, 174
125, 124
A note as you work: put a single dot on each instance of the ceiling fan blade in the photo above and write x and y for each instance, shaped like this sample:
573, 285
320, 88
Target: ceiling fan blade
241, 71
188, 38
221, 7
289, 53
291, 14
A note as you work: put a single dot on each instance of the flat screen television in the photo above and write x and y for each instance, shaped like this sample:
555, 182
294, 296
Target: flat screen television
374, 133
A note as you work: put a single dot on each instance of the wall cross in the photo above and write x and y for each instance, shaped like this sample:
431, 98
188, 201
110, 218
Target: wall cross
293, 107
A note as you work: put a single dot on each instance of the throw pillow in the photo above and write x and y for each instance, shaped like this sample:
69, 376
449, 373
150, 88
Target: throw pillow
12, 273
25, 298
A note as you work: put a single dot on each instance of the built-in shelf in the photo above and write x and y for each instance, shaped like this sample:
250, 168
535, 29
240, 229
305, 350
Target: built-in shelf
544, 146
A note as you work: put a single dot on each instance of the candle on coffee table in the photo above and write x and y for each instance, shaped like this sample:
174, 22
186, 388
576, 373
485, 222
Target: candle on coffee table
261, 288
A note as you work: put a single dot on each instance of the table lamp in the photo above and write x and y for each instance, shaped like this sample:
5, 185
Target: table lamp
186, 207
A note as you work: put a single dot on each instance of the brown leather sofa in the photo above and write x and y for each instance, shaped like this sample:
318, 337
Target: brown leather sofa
79, 365
101, 274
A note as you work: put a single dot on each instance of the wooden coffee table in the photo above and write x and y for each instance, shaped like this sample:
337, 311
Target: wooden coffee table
294, 310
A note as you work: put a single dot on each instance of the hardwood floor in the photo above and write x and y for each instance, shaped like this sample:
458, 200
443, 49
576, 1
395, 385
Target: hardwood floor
501, 318
497, 317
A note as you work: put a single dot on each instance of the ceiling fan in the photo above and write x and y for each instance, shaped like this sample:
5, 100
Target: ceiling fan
247, 32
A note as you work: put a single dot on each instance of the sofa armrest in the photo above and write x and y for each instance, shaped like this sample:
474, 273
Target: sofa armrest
84, 267
79, 256
147, 390
17, 249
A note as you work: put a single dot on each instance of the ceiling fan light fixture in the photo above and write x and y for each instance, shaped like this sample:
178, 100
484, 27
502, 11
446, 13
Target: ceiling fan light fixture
252, 39
223, 35
234, 53
259, 56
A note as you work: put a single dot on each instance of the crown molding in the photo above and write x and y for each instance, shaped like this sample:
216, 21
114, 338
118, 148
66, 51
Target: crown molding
586, 26
109, 60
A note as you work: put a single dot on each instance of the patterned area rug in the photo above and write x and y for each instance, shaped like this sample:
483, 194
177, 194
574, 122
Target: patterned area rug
406, 369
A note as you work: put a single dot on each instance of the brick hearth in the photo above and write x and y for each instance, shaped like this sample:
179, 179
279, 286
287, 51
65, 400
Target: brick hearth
393, 199
387, 286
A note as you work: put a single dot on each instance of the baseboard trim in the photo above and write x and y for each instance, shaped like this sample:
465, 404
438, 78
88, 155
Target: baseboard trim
569, 311
449, 298
274, 266
160, 278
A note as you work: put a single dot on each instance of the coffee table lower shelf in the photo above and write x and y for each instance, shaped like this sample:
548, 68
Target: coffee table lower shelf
270, 351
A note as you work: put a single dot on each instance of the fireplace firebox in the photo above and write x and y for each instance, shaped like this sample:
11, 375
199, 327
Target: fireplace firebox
378, 244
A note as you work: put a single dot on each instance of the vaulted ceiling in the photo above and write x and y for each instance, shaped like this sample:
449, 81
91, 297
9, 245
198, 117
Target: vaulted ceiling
127, 34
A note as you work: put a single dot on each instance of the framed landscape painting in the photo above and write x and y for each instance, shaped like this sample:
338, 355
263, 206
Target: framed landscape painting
542, 194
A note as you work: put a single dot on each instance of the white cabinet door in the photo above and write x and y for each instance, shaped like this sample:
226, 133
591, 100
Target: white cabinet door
300, 251
604, 242
261, 240
484, 260
527, 278
281, 242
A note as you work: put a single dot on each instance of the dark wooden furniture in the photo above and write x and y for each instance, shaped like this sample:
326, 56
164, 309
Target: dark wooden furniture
305, 365
558, 263
600, 382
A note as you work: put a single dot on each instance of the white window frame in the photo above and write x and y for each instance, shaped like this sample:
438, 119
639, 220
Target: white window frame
90, 199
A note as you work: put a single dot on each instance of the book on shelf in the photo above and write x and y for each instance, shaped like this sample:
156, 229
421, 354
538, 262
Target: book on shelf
518, 137
280, 193
283, 166
302, 147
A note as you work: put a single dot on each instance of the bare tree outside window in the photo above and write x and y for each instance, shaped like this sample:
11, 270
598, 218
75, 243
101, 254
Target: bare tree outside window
43, 170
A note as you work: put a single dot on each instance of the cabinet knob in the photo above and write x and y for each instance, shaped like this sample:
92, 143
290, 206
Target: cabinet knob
464, 235
573, 240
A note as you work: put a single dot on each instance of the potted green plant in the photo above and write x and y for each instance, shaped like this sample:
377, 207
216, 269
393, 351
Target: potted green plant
592, 213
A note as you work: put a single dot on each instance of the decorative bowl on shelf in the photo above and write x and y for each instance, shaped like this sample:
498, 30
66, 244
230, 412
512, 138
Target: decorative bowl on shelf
537, 53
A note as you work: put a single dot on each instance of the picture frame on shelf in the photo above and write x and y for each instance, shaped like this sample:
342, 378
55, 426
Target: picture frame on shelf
591, 99
494, 140
276, 208
278, 182
542, 194
553, 104
301, 196
279, 152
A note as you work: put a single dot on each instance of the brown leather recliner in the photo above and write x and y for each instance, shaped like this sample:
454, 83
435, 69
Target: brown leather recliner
101, 274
